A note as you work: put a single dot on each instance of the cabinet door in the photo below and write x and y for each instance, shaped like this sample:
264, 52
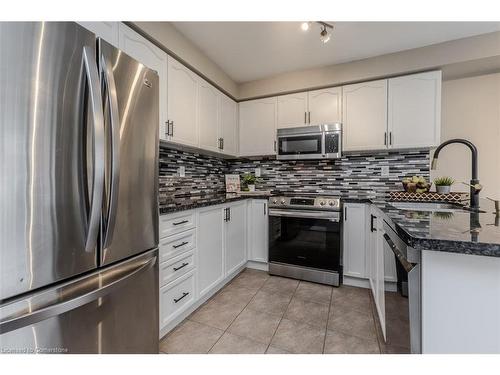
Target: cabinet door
292, 110
415, 110
258, 127
208, 116
389, 266
258, 244
379, 274
229, 125
154, 58
371, 248
105, 30
365, 116
325, 106
354, 240
182, 99
210, 248
235, 246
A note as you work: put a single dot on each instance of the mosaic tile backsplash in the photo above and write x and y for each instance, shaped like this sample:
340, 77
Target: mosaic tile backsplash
354, 175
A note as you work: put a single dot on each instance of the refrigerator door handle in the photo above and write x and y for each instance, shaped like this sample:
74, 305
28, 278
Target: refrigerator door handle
109, 81
95, 100
60, 305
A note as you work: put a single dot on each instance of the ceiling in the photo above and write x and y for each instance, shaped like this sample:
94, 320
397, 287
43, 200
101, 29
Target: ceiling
248, 51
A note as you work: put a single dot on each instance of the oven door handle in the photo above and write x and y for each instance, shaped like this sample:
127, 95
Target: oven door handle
335, 216
398, 253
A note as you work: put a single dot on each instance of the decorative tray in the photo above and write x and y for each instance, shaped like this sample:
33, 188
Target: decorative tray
428, 197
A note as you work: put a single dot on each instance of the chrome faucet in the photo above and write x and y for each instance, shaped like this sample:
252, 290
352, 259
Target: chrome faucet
474, 182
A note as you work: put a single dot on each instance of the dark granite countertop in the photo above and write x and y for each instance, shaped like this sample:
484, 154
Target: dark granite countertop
188, 202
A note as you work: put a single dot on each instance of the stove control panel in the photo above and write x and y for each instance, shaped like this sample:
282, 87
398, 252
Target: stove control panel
309, 202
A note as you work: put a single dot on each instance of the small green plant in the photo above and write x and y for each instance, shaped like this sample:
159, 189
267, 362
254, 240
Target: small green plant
444, 181
249, 179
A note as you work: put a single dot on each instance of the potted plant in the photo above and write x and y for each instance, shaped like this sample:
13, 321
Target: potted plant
249, 180
443, 184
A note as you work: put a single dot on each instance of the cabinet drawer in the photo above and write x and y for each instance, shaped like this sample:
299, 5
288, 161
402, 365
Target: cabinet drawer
176, 267
171, 225
175, 245
176, 298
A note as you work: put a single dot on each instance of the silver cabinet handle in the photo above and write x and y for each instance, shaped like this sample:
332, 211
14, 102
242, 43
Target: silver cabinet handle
305, 117
109, 81
385, 138
95, 99
180, 267
309, 116
390, 138
167, 128
77, 295
222, 143
172, 130
185, 294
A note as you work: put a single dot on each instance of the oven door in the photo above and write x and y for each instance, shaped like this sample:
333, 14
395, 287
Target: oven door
305, 239
301, 146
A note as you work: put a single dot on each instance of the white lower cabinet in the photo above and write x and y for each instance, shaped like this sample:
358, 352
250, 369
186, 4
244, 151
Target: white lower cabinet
235, 237
258, 232
354, 240
210, 248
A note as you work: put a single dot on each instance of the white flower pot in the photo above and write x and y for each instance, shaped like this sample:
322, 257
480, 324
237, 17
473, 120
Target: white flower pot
251, 187
443, 189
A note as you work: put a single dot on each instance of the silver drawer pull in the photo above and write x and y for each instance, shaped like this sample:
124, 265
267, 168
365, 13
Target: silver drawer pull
180, 245
183, 295
181, 222
183, 265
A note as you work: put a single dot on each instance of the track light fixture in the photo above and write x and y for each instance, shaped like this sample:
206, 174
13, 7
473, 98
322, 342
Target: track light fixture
324, 34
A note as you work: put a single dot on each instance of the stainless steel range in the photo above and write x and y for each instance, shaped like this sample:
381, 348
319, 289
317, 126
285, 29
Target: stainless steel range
305, 238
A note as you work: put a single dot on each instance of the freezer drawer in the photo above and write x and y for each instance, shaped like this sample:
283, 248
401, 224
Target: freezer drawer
114, 310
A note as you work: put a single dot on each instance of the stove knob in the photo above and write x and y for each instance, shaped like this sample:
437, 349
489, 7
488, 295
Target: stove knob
332, 203
283, 201
322, 203
275, 201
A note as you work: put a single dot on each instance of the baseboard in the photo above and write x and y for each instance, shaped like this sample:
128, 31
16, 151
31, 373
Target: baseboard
356, 281
258, 265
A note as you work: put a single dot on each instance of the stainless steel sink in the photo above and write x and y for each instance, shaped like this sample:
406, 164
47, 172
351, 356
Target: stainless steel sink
428, 206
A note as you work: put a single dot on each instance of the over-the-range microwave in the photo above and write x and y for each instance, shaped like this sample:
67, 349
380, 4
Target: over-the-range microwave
310, 142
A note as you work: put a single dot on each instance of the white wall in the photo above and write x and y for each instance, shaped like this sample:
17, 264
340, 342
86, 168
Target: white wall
471, 110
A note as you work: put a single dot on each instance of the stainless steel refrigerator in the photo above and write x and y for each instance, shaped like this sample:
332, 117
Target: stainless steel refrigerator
78, 194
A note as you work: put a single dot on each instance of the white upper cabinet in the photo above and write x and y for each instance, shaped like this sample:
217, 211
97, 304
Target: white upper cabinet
182, 103
106, 30
354, 240
292, 110
365, 116
229, 125
414, 118
208, 116
325, 106
257, 127
154, 58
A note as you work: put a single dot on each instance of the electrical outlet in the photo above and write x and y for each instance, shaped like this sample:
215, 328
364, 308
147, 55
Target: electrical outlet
257, 172
182, 171
384, 171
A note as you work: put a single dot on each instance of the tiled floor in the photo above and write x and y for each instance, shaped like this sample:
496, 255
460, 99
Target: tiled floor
258, 313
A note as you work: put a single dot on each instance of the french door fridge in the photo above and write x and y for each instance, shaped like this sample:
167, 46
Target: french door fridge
78, 194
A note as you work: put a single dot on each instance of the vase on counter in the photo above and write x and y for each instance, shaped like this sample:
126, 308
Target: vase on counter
443, 189
251, 187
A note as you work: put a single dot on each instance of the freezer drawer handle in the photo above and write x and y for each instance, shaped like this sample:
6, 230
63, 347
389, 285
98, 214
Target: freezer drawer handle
181, 267
181, 222
180, 245
11, 323
185, 294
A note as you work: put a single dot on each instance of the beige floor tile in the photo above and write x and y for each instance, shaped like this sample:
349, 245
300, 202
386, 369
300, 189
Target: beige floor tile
271, 303
280, 285
352, 322
341, 343
217, 314
314, 292
252, 280
233, 344
274, 350
298, 337
234, 294
190, 338
308, 312
352, 299
255, 325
